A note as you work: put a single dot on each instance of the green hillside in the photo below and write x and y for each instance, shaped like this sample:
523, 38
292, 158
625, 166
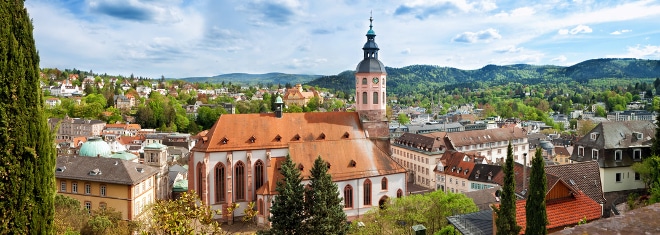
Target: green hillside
430, 78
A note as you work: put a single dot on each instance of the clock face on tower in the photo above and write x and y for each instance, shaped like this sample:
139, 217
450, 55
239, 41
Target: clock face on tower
375, 80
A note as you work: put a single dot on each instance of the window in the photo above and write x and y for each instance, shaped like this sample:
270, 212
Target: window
618, 155
594, 136
260, 206
348, 196
364, 81
637, 176
399, 193
63, 186
367, 192
200, 176
383, 184
364, 98
618, 177
637, 154
74, 187
88, 206
219, 182
88, 188
240, 180
580, 151
103, 205
152, 157
103, 190
383, 96
375, 98
258, 175
594, 154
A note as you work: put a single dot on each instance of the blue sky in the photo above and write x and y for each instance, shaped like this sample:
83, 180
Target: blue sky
185, 38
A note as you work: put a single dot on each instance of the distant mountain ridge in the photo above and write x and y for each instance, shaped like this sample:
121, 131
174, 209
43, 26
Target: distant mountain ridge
431, 77
253, 79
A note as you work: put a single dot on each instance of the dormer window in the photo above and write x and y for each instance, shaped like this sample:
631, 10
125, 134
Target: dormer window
352, 163
96, 171
60, 169
278, 138
322, 136
296, 137
638, 135
346, 135
594, 136
301, 167
224, 140
252, 139
618, 155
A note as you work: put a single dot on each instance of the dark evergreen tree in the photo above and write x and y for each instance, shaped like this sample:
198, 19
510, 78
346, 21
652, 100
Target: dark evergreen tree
655, 143
323, 205
27, 153
506, 213
535, 211
287, 213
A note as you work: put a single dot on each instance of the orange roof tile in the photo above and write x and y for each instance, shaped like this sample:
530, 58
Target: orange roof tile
234, 131
563, 212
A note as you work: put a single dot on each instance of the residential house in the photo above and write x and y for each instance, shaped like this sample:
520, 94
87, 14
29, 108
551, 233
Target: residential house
124, 102
126, 186
74, 127
491, 143
297, 96
616, 146
583, 176
52, 102
419, 154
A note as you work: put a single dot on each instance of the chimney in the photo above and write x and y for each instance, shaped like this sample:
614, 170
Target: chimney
524, 171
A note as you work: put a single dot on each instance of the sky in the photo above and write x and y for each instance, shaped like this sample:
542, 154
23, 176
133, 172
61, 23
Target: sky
190, 38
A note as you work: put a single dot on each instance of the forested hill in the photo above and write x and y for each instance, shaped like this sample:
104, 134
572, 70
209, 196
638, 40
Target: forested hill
433, 78
253, 79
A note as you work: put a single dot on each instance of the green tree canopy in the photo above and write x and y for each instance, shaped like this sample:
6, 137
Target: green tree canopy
323, 205
537, 217
287, 212
505, 222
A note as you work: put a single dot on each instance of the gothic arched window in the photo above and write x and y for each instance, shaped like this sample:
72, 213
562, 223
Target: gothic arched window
348, 196
258, 175
239, 181
220, 177
367, 192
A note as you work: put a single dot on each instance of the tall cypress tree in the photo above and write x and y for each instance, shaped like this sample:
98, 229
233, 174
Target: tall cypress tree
323, 205
535, 211
27, 153
506, 213
287, 213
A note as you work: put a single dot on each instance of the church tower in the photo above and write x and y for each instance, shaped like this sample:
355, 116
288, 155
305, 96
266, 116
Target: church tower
370, 89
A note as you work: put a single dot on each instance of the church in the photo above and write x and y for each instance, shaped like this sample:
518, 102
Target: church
238, 159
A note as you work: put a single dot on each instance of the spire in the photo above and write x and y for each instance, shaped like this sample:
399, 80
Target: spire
371, 48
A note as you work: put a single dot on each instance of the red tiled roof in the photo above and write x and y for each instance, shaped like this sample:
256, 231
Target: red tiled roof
238, 129
563, 212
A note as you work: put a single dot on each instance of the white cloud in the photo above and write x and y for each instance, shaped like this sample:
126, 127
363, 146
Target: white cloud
560, 59
509, 49
644, 52
481, 36
406, 51
578, 29
618, 32
518, 12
